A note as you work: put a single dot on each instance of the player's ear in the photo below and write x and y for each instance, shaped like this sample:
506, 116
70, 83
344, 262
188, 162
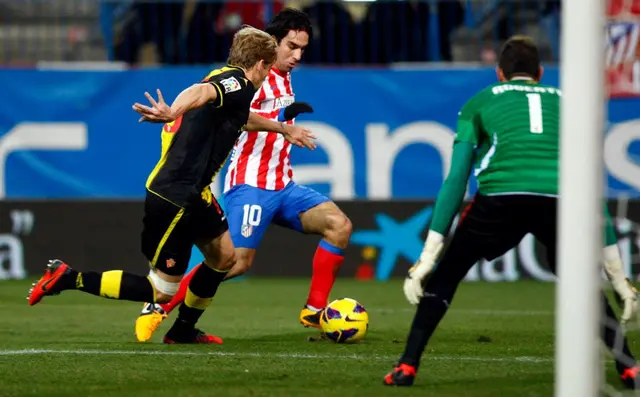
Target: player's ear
258, 66
500, 75
540, 73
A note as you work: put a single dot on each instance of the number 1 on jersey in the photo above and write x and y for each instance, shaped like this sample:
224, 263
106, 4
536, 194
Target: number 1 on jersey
535, 113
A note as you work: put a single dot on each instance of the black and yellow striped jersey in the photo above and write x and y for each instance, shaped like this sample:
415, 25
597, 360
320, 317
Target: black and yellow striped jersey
196, 145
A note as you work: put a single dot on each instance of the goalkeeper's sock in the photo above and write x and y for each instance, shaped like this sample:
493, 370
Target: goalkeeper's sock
326, 263
431, 310
115, 284
199, 295
178, 298
615, 339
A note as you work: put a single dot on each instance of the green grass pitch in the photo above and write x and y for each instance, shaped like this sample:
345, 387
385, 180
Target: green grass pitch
497, 340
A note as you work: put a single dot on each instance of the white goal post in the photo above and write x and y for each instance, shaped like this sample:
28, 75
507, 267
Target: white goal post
578, 367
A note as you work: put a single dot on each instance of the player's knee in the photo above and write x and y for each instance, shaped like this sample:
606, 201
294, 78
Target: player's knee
229, 261
165, 286
225, 262
243, 264
340, 228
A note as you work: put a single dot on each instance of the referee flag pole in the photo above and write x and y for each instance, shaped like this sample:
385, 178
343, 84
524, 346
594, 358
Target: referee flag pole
578, 367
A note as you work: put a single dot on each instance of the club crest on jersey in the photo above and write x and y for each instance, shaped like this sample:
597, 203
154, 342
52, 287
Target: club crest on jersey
246, 230
230, 84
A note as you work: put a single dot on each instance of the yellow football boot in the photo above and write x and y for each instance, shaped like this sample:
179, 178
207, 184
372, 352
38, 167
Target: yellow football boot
310, 318
149, 321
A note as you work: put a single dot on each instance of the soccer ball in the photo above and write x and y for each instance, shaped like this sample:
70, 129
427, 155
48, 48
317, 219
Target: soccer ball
345, 321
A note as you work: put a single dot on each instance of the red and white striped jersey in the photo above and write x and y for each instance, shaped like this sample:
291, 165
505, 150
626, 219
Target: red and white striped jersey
261, 158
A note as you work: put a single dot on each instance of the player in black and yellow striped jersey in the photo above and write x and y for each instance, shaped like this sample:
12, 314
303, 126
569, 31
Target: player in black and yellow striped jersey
200, 129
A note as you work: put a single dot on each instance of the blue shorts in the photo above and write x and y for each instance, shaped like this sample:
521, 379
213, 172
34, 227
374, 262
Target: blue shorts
250, 210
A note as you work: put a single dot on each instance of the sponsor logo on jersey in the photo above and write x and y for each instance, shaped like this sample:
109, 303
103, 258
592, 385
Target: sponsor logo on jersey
230, 84
283, 102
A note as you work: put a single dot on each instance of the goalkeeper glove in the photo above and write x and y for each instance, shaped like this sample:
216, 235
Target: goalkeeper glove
626, 294
292, 111
413, 283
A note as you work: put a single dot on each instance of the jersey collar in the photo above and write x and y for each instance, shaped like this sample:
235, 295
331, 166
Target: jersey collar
521, 78
279, 72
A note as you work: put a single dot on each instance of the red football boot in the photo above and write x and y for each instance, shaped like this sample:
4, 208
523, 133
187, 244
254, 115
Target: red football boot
194, 336
402, 375
630, 378
49, 283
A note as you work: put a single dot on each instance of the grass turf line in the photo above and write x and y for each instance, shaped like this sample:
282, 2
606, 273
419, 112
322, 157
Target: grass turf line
497, 340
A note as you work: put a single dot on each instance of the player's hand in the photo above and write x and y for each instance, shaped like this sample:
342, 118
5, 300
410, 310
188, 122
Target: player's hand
625, 293
299, 136
627, 298
293, 110
159, 112
413, 283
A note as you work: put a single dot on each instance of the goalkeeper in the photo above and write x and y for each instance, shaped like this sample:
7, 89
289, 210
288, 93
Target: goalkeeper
510, 132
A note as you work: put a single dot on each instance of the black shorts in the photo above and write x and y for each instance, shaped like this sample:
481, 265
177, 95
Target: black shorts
170, 231
492, 225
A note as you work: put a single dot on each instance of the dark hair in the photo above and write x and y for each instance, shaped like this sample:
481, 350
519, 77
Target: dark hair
289, 19
519, 57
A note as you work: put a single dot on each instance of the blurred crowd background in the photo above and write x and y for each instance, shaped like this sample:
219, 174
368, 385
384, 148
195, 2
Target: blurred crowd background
346, 32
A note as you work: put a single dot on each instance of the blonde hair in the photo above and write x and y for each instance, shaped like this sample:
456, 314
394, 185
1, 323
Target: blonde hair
249, 46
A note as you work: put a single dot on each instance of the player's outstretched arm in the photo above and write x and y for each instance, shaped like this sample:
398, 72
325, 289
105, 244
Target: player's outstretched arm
299, 136
454, 187
193, 97
446, 207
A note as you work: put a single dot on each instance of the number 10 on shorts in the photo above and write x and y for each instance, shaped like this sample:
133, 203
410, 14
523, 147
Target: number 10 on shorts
250, 218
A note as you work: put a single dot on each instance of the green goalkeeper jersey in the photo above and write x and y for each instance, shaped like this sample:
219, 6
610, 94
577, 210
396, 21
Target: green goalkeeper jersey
515, 128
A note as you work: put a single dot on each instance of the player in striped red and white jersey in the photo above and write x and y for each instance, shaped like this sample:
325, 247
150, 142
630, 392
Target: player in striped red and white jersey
259, 189
260, 158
